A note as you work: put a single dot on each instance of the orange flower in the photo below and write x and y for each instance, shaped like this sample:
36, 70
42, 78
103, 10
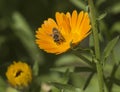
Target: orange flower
56, 36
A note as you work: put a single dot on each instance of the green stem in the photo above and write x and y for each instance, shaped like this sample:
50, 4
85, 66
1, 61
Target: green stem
100, 77
96, 45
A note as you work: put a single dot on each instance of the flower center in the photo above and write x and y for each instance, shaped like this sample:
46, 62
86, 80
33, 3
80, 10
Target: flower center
57, 36
18, 73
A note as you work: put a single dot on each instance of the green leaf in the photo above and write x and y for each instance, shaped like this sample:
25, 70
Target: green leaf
84, 69
54, 89
2, 40
109, 47
11, 89
66, 87
99, 2
3, 85
25, 34
67, 60
36, 68
71, 61
91, 40
62, 69
88, 80
116, 52
102, 16
86, 58
66, 76
116, 88
116, 81
115, 27
79, 4
115, 8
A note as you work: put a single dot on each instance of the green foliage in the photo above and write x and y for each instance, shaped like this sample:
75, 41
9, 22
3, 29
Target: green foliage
109, 47
74, 71
66, 87
115, 27
79, 4
24, 33
2, 85
102, 16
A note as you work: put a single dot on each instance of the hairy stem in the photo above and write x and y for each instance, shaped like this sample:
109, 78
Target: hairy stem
96, 45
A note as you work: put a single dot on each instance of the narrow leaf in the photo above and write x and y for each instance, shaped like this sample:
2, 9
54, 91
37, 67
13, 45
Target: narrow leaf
79, 4
116, 81
84, 69
85, 58
36, 68
109, 47
66, 75
88, 80
115, 27
103, 15
3, 85
66, 87
115, 8
63, 86
22, 30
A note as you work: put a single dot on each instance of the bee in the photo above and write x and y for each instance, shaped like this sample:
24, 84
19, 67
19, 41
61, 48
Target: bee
57, 36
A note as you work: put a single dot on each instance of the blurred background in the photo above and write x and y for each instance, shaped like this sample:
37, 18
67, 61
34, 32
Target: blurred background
19, 19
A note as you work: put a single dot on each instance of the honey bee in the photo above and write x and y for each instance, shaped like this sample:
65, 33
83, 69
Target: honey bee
57, 36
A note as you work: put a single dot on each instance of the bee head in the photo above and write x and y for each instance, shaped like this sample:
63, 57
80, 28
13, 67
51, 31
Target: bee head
55, 30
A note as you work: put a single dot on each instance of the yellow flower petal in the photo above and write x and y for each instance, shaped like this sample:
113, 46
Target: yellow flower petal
80, 18
74, 20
